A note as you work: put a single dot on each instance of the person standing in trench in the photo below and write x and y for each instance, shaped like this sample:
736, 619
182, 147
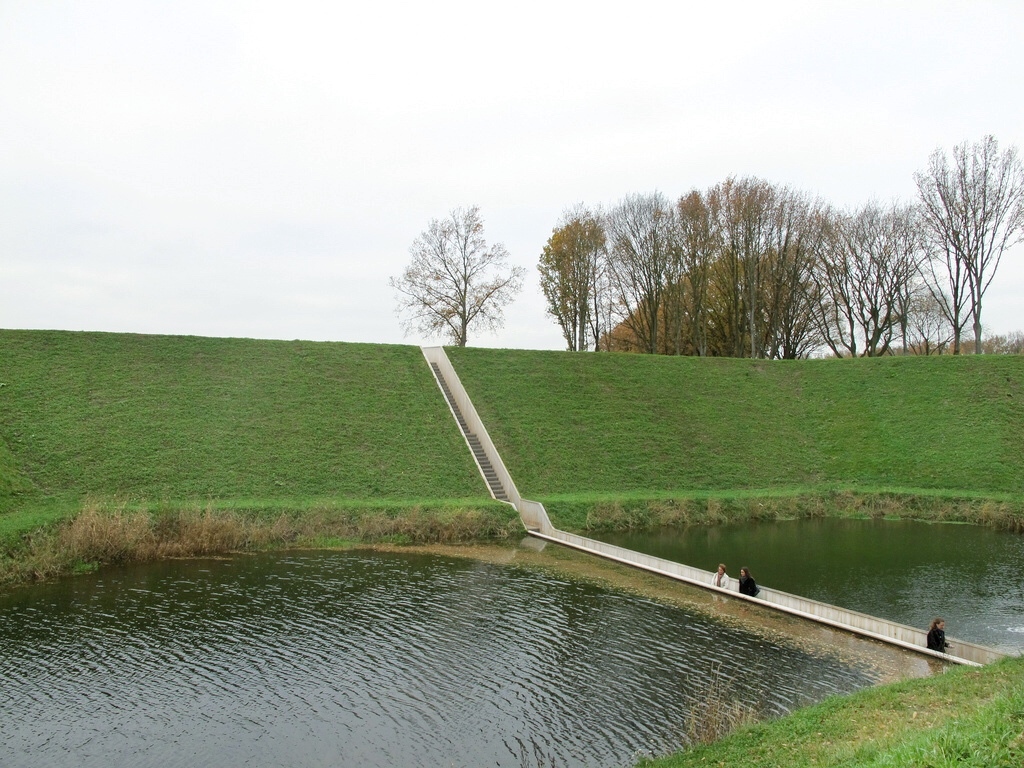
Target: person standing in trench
937, 636
721, 578
747, 584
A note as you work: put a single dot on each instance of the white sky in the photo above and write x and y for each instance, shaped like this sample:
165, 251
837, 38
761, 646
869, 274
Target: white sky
260, 169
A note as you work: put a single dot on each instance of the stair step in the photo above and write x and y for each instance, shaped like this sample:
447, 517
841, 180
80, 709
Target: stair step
482, 459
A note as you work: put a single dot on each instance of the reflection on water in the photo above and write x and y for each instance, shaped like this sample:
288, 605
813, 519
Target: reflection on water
904, 571
334, 658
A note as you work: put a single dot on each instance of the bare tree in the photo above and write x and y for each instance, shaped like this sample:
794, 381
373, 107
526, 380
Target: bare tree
455, 279
1009, 344
974, 211
928, 329
907, 256
570, 271
866, 275
944, 270
640, 248
602, 304
675, 304
789, 292
746, 208
699, 243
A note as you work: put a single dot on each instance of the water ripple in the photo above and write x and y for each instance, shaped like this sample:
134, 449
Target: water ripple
347, 658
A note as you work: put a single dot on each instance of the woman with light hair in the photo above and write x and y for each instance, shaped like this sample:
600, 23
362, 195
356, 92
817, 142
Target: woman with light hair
721, 578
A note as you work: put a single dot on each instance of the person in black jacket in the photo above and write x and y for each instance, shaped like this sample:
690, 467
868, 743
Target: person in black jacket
747, 584
937, 636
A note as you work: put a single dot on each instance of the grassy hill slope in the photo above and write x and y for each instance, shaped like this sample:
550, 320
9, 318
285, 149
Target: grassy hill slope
164, 419
614, 424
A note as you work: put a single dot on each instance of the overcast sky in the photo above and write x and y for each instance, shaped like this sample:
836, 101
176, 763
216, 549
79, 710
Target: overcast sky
260, 169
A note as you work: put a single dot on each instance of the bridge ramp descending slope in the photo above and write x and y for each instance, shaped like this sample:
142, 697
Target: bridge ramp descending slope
479, 454
537, 523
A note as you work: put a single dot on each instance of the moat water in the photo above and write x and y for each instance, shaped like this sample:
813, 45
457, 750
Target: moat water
370, 659
904, 571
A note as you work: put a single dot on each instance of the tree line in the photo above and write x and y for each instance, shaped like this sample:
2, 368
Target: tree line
748, 268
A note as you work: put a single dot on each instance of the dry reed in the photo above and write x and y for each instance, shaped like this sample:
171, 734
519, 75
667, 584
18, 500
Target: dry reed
115, 536
715, 711
652, 513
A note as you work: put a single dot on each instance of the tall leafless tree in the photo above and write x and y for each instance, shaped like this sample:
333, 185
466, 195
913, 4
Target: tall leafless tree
699, 244
602, 304
789, 292
641, 232
455, 280
974, 211
746, 209
866, 274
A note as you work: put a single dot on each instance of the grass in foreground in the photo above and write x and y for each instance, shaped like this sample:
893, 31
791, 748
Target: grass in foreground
963, 717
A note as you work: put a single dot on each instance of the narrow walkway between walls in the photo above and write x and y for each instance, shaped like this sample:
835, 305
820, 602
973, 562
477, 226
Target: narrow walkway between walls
479, 454
535, 519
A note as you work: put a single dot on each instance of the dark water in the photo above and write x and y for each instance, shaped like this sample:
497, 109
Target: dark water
336, 659
905, 571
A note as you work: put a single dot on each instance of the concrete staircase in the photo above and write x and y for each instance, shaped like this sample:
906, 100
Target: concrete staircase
486, 469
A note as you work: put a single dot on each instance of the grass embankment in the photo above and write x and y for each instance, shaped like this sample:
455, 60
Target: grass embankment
276, 440
116, 447
964, 717
617, 441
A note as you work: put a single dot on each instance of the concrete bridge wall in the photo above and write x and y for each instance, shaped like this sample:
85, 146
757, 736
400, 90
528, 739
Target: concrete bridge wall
535, 519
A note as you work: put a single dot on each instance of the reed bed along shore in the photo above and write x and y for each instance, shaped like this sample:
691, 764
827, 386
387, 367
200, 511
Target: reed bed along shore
115, 535
582, 514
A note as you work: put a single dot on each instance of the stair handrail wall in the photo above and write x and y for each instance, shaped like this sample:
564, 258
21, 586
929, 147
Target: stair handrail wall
536, 520
532, 513
535, 517
891, 632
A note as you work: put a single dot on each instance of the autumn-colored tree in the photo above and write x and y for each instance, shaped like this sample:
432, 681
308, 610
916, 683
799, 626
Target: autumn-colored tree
571, 271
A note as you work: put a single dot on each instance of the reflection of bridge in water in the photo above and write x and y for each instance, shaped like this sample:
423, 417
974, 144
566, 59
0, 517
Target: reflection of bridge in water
535, 518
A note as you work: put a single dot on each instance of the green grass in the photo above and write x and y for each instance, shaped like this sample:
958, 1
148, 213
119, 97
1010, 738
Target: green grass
327, 443
963, 717
615, 425
164, 421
